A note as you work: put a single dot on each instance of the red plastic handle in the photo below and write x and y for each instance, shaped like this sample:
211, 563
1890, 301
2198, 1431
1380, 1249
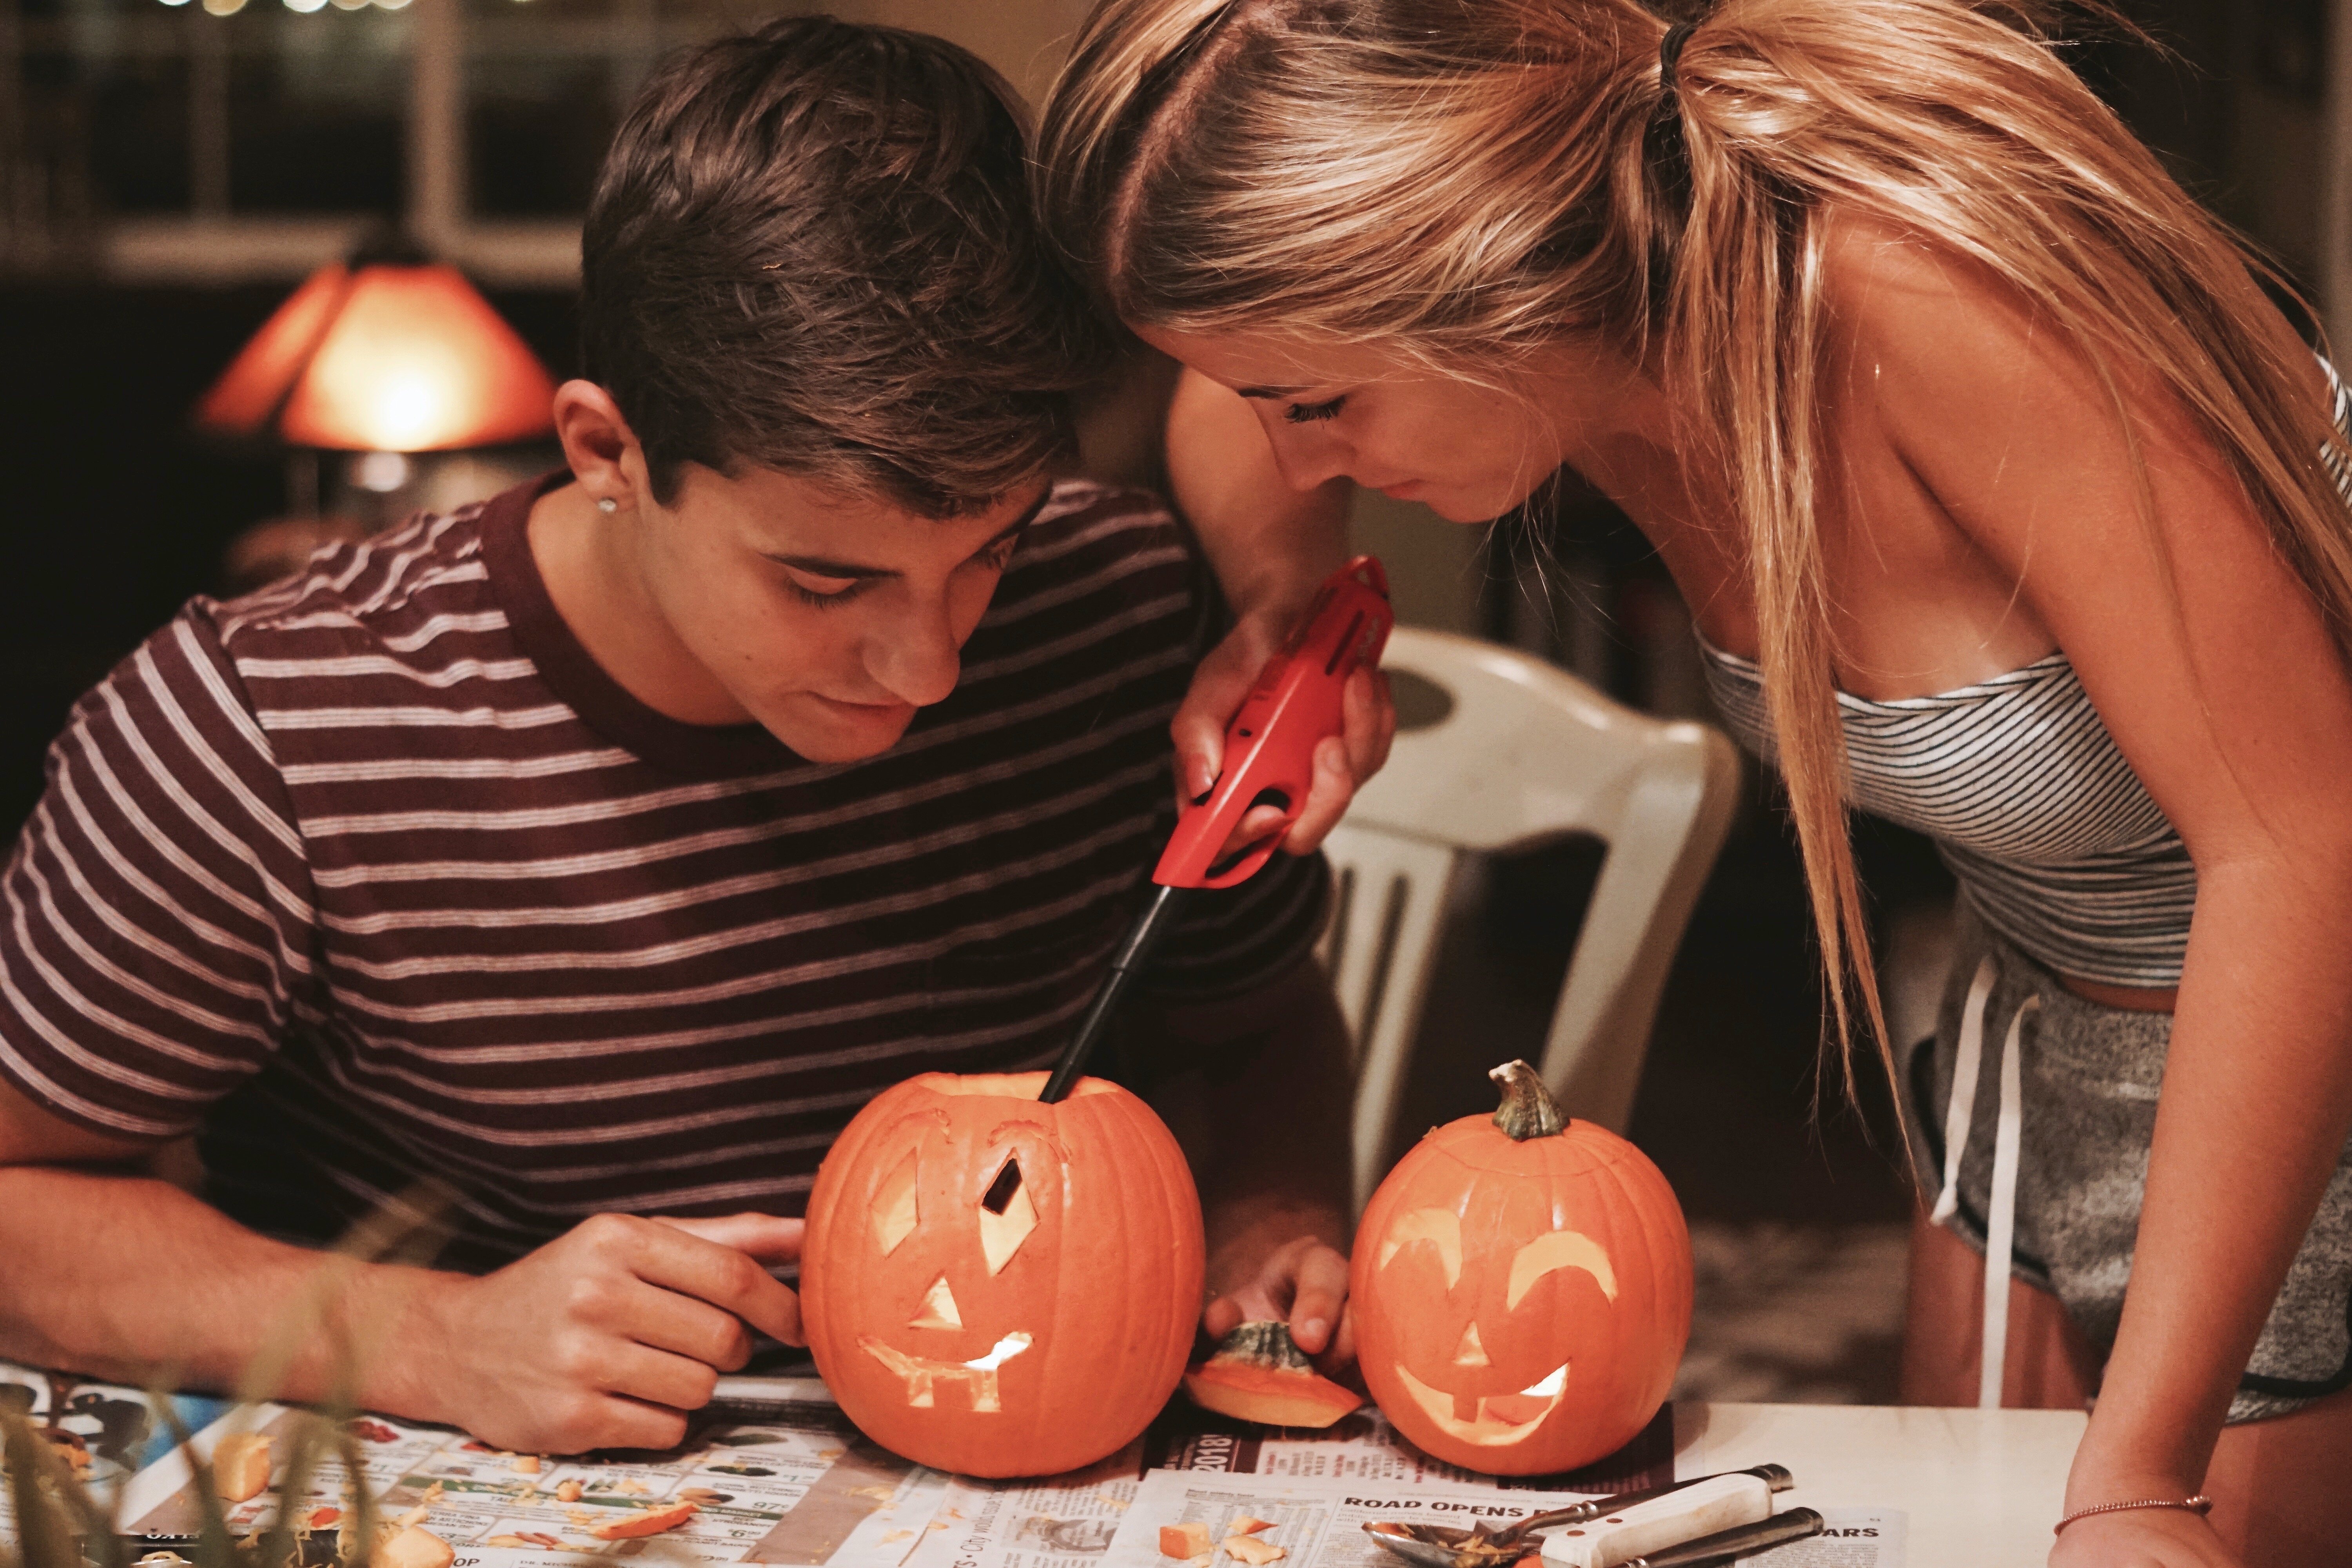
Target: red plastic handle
1270, 745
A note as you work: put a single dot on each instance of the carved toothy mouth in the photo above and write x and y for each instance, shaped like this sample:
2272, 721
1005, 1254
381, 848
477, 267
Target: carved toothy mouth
1490, 1427
922, 1374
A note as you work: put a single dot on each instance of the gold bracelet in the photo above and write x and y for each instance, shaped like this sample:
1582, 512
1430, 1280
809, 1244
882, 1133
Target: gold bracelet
2201, 1505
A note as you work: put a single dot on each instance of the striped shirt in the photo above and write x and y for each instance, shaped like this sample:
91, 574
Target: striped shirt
375, 875
2053, 839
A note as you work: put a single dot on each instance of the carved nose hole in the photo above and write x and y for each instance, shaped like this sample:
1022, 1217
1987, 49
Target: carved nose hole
1001, 1191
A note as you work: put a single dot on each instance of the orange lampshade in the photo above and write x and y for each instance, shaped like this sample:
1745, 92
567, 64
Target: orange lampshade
384, 358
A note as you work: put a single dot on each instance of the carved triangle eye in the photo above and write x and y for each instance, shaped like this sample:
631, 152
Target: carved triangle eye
1006, 1216
939, 1310
1470, 1353
895, 1211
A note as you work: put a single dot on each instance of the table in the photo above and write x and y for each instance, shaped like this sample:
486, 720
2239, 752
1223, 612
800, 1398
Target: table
1981, 1487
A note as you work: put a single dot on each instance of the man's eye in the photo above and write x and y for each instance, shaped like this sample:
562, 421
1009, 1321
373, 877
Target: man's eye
823, 591
1309, 412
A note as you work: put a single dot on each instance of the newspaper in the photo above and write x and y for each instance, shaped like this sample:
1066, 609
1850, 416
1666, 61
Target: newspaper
1062, 1521
1364, 1447
776, 1472
1318, 1521
779, 1475
1851, 1538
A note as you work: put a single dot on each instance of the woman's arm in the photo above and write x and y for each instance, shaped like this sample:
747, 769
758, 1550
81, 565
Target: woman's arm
2212, 668
1271, 547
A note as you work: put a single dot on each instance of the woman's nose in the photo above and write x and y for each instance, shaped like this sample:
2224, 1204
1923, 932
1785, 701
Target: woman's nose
1307, 456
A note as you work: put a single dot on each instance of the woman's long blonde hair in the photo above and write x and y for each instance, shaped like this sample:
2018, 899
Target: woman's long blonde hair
1469, 180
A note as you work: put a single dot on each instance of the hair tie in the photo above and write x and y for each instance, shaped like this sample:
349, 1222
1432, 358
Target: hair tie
1670, 49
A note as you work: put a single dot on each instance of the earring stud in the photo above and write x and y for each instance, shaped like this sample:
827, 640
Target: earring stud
607, 505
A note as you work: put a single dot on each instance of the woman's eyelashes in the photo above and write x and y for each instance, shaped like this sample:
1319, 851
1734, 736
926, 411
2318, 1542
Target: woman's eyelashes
1311, 412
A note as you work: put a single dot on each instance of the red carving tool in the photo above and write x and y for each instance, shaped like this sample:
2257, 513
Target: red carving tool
1269, 760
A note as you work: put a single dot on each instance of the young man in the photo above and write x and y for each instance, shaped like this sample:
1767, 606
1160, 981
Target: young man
596, 852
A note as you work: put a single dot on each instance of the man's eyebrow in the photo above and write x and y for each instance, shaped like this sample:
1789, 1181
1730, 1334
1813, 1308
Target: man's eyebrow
820, 566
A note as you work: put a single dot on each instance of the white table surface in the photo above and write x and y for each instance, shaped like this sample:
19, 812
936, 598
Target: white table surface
1981, 1487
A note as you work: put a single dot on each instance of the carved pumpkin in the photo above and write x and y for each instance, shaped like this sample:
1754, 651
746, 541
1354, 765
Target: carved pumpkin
1521, 1289
996, 1286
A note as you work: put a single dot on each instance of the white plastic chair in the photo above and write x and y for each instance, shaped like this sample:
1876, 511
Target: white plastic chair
1525, 755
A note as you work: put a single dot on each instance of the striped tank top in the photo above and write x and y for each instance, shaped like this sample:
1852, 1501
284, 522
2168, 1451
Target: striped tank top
2053, 839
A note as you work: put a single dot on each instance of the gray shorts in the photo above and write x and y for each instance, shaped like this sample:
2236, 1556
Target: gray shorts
2090, 1077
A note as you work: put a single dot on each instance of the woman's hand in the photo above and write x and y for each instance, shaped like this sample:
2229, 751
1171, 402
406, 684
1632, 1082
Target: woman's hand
1342, 762
1271, 547
2141, 1538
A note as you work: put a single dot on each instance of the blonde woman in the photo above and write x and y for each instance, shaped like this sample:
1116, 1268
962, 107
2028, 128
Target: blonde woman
2006, 504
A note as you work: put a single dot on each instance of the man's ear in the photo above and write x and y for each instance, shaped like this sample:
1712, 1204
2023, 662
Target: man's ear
602, 452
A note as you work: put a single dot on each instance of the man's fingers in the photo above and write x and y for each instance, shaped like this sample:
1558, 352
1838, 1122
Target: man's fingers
1317, 1291
771, 1238
1222, 1317
655, 1377
728, 1278
684, 1326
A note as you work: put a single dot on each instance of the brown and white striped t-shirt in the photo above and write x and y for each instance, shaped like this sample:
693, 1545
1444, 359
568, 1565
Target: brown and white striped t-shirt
374, 875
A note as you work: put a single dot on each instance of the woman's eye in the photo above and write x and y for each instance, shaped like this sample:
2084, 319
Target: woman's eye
1309, 412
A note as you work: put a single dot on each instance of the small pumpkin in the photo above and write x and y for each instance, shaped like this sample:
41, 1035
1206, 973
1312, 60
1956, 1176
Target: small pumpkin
1521, 1288
1259, 1373
995, 1286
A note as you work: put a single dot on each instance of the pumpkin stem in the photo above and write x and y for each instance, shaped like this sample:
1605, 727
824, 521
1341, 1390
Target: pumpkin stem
1265, 1344
1526, 1111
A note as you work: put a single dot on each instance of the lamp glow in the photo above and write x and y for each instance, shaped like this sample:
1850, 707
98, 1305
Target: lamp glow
391, 358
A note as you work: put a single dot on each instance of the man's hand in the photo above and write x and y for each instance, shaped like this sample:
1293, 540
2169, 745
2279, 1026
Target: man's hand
1303, 1282
1342, 762
608, 1335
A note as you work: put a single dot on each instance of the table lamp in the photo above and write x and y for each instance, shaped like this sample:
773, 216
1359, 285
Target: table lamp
387, 352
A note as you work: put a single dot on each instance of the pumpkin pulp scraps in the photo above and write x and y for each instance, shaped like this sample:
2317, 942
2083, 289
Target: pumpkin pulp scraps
1259, 1373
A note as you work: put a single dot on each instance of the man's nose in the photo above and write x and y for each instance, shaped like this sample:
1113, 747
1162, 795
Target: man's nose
919, 658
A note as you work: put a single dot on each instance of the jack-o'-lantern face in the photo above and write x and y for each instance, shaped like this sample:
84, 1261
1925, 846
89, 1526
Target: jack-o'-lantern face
1522, 1288
997, 1285
951, 1236
1492, 1373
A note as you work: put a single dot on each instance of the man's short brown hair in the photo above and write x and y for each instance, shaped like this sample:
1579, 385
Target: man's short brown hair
811, 248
